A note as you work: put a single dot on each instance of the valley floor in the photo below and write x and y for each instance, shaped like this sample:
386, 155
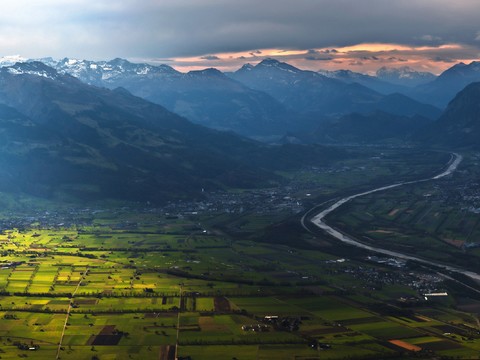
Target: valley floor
200, 283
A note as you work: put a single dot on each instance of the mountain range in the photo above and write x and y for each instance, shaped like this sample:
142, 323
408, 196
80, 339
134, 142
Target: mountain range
443, 89
404, 76
459, 125
312, 93
207, 97
62, 136
369, 81
75, 129
378, 127
420, 86
264, 101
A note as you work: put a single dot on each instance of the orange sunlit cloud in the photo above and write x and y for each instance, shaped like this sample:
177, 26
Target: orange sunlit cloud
373, 47
365, 57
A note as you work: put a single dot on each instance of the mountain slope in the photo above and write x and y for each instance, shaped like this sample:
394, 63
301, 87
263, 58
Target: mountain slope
206, 97
98, 143
404, 76
444, 88
310, 92
372, 82
378, 127
459, 126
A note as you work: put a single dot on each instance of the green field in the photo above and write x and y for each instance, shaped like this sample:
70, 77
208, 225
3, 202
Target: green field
134, 283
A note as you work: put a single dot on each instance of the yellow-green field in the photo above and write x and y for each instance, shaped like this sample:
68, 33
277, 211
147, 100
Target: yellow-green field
143, 285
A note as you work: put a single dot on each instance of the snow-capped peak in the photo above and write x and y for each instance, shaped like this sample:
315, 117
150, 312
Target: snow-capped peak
32, 68
246, 67
404, 75
404, 72
327, 73
270, 63
11, 60
96, 72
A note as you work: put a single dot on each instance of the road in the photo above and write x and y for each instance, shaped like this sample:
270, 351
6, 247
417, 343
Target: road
69, 309
319, 221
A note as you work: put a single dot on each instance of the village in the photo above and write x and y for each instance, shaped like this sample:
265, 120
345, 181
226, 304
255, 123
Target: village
392, 272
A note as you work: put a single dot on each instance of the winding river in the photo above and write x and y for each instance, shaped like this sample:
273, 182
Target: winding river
319, 221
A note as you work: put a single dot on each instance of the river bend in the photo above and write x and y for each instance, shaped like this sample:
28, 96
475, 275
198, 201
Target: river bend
319, 221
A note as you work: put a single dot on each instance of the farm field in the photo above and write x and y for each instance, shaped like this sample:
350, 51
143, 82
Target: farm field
272, 302
143, 284
437, 221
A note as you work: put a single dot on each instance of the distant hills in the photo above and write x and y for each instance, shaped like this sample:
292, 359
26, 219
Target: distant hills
424, 87
311, 92
386, 80
405, 76
271, 101
369, 81
443, 89
264, 101
367, 129
61, 136
207, 97
459, 126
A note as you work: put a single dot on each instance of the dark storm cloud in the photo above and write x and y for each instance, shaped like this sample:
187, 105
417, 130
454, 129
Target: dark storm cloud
176, 28
194, 34
208, 26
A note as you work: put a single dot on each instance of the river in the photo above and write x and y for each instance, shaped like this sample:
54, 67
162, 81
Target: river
319, 221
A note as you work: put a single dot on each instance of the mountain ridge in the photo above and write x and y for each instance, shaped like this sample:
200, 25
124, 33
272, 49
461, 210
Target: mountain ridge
443, 89
311, 92
459, 125
284, 99
101, 143
207, 97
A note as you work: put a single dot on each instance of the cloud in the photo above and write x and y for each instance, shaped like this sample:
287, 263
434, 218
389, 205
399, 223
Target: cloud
430, 38
322, 51
318, 58
210, 57
396, 59
318, 55
356, 63
443, 59
173, 29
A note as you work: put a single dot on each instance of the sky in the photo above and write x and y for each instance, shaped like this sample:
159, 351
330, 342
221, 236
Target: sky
360, 35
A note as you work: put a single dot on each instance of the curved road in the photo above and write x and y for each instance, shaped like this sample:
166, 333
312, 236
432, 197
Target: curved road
318, 221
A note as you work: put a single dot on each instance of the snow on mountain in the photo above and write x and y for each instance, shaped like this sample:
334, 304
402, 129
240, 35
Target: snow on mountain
401, 76
343, 74
32, 68
11, 60
404, 75
372, 82
273, 63
96, 73
444, 88
91, 72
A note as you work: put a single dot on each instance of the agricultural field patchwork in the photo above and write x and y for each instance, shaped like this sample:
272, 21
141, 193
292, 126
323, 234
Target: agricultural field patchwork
146, 284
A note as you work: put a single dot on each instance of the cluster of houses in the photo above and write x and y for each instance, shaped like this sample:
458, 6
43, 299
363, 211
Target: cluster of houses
255, 328
261, 201
374, 278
